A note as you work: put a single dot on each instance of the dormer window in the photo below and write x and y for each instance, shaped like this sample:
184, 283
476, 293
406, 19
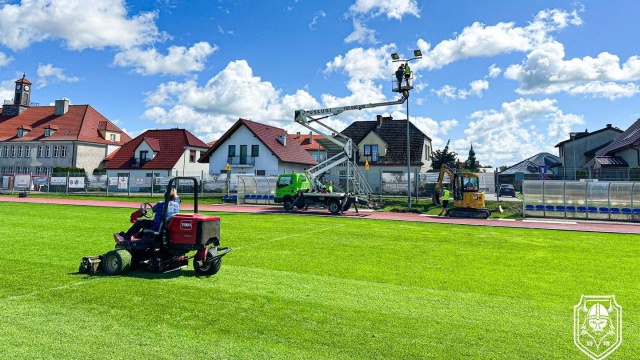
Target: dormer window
23, 130
112, 137
49, 130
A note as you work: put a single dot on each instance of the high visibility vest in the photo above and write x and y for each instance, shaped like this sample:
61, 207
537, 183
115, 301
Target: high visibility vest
407, 70
445, 195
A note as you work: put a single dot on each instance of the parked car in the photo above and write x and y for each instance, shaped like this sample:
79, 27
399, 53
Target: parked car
507, 190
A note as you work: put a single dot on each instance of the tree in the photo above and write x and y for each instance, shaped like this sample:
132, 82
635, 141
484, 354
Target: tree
472, 163
444, 156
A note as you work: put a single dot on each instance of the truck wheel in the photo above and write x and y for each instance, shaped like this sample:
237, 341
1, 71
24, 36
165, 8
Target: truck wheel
212, 267
288, 204
334, 207
116, 262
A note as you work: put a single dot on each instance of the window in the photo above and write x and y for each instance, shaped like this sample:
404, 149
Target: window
243, 154
144, 157
255, 151
232, 151
112, 137
192, 156
40, 151
371, 151
20, 153
6, 151
63, 151
261, 172
4, 169
47, 152
13, 151
11, 170
47, 132
427, 152
27, 151
56, 151
20, 132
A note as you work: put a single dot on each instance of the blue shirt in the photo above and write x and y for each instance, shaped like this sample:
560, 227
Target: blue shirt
158, 210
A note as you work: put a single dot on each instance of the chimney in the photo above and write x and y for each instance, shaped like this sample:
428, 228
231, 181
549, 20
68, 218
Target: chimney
61, 107
608, 125
379, 120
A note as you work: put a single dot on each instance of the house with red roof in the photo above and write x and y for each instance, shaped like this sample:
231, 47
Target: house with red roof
310, 143
35, 139
160, 153
253, 148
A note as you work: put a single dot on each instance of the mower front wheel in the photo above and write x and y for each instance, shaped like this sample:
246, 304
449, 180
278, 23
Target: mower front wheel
212, 264
116, 262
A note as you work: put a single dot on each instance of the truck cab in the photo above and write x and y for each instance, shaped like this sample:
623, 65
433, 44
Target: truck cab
290, 185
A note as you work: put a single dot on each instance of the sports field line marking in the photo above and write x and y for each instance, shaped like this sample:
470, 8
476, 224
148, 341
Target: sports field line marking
288, 236
551, 222
63, 287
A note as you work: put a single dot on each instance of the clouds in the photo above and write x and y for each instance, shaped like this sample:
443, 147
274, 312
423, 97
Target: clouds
79, 24
546, 72
97, 25
178, 61
363, 10
48, 71
235, 92
479, 40
517, 130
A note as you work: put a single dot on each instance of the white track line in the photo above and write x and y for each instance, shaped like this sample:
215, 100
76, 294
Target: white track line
551, 222
288, 236
64, 287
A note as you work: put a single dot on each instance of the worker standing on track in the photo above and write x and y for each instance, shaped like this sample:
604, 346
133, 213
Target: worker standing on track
445, 201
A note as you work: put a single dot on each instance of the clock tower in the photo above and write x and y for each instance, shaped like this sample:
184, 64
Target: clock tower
21, 99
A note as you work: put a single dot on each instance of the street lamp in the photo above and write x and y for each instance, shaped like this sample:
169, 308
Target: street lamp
417, 54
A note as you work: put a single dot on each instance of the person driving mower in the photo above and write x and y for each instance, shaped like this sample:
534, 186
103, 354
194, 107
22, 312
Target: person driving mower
139, 224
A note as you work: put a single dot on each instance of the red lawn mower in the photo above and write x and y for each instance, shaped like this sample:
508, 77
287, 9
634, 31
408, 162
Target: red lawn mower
165, 250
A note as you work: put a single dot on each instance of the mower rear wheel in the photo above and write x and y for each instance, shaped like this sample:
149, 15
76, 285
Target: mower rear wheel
212, 267
116, 262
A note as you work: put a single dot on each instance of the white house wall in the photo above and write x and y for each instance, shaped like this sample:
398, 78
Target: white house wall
184, 166
265, 161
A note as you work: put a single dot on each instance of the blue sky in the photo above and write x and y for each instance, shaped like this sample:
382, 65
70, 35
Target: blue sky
511, 77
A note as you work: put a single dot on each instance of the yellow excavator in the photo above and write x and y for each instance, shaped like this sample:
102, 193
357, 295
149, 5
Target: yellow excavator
467, 201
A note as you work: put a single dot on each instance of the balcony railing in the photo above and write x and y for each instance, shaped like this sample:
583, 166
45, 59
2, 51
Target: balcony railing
241, 160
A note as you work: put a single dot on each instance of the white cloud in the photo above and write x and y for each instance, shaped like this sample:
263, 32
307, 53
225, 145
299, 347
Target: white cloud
316, 17
363, 10
233, 93
80, 24
520, 129
45, 72
178, 61
479, 40
476, 88
363, 64
494, 71
546, 72
393, 9
361, 34
4, 59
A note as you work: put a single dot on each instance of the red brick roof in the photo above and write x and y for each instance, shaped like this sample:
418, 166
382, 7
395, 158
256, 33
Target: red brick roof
80, 123
171, 144
268, 135
308, 143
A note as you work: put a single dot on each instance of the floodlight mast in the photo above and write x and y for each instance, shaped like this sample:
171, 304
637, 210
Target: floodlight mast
307, 117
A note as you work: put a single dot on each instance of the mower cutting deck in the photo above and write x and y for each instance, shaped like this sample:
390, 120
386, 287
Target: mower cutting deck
165, 250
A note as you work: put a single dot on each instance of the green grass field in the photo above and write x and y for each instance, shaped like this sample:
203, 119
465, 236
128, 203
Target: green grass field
305, 287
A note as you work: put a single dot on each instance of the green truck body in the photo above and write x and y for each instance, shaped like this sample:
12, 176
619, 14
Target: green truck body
295, 190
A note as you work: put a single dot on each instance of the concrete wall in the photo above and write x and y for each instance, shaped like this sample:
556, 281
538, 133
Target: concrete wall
89, 156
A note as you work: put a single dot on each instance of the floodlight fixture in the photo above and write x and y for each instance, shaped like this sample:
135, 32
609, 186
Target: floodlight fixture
395, 56
417, 53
